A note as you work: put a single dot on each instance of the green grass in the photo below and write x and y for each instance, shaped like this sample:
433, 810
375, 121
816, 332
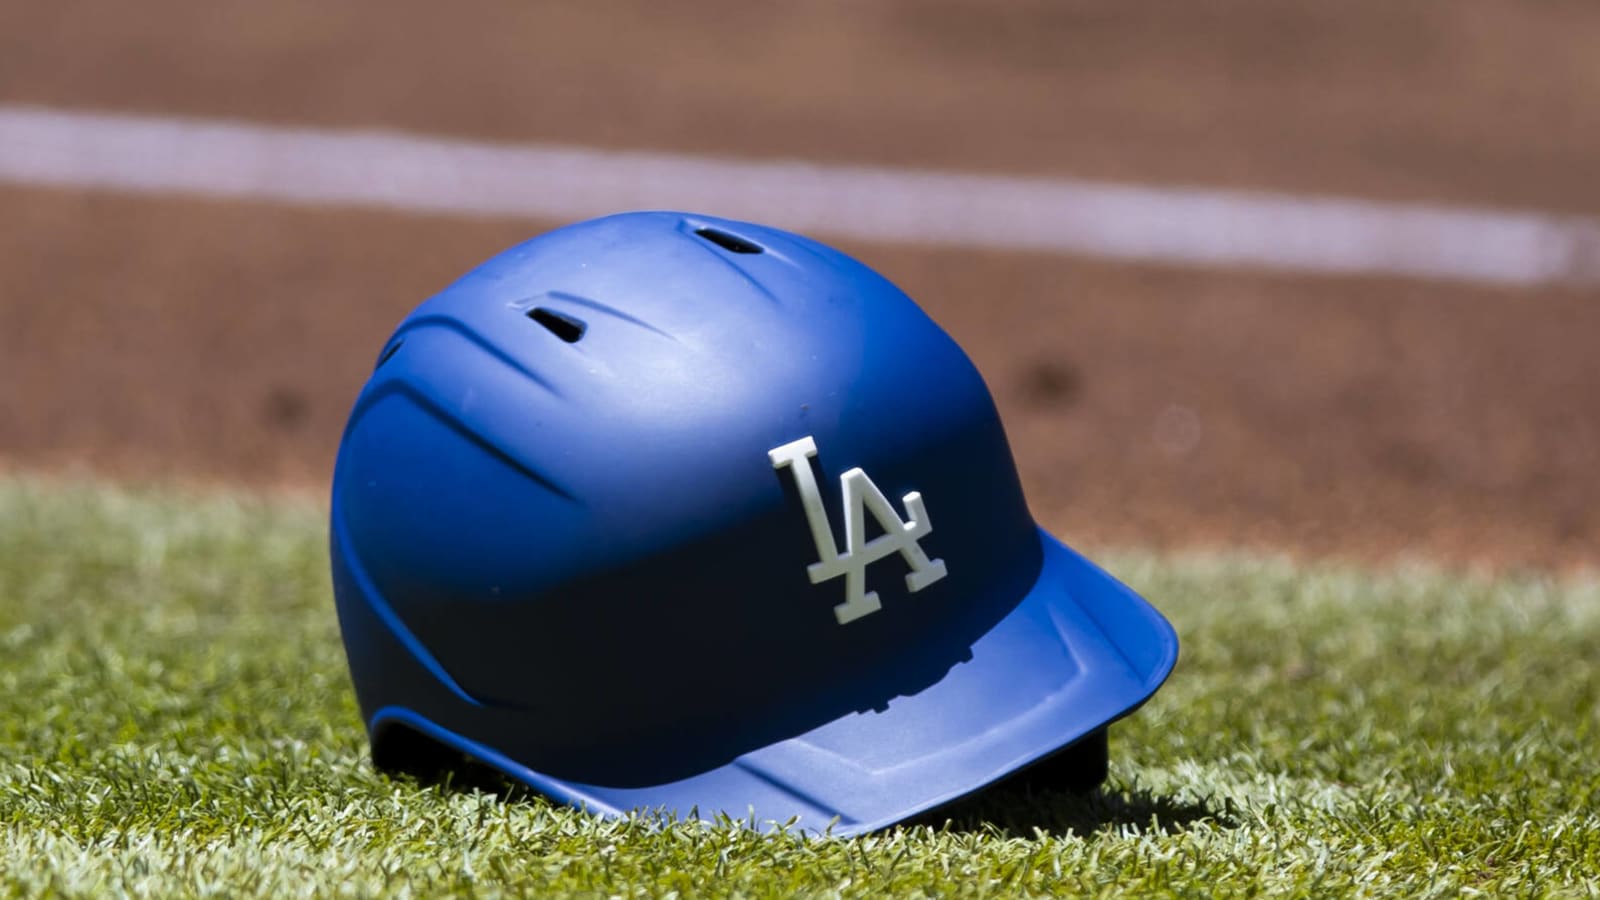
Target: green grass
175, 718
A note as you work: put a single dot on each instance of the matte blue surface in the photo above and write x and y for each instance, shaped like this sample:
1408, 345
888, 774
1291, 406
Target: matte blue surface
574, 560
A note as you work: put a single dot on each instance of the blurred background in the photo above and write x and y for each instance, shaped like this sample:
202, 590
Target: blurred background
1408, 371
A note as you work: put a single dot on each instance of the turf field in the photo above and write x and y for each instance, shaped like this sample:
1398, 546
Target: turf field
175, 718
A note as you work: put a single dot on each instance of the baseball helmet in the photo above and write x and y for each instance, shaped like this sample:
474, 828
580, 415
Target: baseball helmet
663, 511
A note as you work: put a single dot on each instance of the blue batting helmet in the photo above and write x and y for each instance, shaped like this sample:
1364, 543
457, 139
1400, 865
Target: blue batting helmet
667, 511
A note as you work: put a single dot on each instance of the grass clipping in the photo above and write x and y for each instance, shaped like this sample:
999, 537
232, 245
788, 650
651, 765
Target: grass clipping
176, 719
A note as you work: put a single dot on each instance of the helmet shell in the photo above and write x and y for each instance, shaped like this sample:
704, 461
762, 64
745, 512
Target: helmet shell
566, 537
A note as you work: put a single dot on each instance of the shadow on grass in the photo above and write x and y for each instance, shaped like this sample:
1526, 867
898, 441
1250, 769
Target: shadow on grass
429, 764
1019, 812
1024, 812
1028, 803
1065, 792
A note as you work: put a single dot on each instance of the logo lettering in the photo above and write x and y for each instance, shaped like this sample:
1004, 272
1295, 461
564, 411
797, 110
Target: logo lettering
861, 496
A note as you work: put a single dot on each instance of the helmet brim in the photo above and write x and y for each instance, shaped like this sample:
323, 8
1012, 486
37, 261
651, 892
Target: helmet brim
1080, 651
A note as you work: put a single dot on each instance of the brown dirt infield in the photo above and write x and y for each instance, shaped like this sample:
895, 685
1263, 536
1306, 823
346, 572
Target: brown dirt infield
220, 341
225, 341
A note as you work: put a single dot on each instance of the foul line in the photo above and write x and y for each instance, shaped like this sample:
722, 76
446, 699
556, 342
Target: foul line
1118, 221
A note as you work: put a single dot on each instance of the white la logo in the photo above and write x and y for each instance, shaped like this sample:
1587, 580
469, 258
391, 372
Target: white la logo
860, 495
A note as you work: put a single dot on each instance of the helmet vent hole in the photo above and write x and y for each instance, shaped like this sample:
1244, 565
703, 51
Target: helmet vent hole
561, 325
729, 242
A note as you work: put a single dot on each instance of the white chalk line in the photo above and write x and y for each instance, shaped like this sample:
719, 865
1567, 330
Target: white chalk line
1196, 226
